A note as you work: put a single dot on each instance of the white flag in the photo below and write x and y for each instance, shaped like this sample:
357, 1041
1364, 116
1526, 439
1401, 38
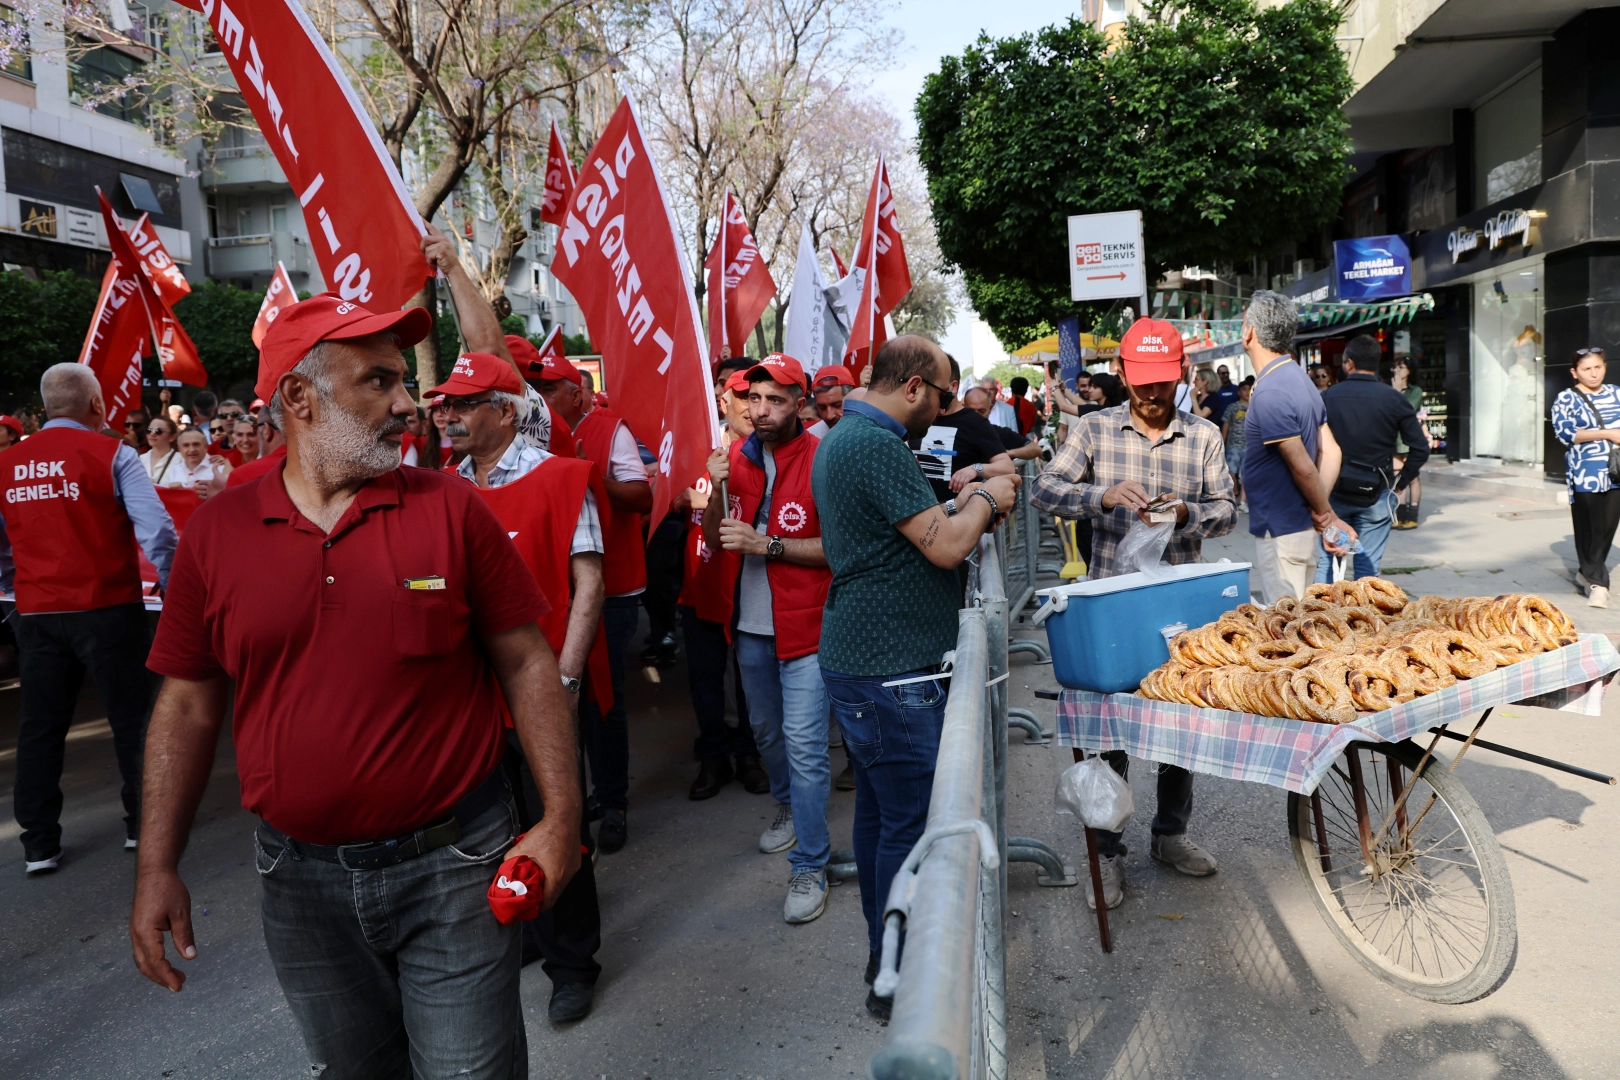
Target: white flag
813, 332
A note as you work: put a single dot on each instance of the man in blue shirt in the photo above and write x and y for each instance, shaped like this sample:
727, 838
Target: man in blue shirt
1292, 460
891, 611
1223, 396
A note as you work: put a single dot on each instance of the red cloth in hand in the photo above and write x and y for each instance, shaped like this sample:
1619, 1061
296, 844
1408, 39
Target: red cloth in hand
517, 891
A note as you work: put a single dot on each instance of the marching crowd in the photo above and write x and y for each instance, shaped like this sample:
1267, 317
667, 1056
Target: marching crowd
425, 666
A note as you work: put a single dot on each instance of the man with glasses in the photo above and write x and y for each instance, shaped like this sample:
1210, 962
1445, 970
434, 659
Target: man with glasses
548, 505
136, 422
891, 611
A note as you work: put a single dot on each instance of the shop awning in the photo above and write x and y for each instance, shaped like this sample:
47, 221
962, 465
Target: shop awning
1091, 347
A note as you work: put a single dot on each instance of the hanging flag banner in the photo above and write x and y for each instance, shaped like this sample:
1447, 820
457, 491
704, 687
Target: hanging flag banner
880, 256
175, 351
867, 328
1069, 356
812, 332
363, 226
740, 285
279, 295
116, 340
559, 181
619, 255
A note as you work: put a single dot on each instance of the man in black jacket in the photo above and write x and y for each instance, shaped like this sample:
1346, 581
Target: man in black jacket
1365, 417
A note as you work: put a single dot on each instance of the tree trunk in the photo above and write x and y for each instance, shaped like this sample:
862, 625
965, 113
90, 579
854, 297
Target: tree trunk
427, 350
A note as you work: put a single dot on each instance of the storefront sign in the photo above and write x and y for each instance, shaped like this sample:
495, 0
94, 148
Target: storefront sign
1106, 258
1372, 267
1461, 241
1502, 228
38, 219
81, 227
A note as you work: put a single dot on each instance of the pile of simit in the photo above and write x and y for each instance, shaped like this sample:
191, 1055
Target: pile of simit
1352, 647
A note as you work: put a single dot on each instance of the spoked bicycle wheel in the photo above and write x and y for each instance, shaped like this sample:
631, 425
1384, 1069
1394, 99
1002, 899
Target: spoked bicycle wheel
1407, 872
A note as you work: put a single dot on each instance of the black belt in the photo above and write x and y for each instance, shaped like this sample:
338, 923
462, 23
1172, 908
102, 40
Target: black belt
381, 854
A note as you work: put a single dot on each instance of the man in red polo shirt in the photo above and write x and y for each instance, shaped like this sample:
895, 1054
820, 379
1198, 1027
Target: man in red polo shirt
606, 440
770, 539
374, 620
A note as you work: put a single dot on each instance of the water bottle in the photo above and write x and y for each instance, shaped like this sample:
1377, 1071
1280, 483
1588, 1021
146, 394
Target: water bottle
1334, 536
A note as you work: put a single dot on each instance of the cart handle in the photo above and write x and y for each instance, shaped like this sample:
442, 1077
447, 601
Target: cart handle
1523, 755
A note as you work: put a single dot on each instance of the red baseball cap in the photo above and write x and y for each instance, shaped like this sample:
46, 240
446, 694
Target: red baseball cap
328, 317
524, 352
738, 383
476, 372
834, 375
779, 366
1151, 352
13, 423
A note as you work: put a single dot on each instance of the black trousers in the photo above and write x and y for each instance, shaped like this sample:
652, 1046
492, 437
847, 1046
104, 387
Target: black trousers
664, 553
1596, 514
706, 652
1175, 802
567, 936
54, 652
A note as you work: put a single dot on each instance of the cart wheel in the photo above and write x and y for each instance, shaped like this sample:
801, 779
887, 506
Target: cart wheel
1431, 911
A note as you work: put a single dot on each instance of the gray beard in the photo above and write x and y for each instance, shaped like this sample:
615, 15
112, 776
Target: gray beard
341, 449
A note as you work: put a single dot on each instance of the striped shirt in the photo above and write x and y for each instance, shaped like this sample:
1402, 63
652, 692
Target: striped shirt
1105, 449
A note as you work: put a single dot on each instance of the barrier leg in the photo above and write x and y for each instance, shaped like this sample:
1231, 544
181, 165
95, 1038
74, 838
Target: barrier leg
1030, 724
1028, 849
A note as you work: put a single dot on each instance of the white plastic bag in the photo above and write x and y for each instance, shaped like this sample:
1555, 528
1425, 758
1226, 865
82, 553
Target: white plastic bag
1093, 792
1143, 546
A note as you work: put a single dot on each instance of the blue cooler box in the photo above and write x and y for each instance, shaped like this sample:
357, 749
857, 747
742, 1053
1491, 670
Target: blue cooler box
1106, 634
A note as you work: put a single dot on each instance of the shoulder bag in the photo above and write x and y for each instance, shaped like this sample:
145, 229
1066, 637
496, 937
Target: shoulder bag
1614, 448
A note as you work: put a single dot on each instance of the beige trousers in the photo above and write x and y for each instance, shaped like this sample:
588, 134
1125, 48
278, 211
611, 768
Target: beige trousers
1286, 564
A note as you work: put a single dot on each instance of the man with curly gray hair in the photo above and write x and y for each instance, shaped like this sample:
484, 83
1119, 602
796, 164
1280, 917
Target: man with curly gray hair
1292, 460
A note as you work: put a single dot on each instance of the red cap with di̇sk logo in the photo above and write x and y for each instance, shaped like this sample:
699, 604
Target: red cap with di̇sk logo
1151, 352
328, 317
834, 375
476, 372
779, 366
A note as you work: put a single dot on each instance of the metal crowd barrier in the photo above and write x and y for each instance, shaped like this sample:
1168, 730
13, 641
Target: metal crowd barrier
949, 898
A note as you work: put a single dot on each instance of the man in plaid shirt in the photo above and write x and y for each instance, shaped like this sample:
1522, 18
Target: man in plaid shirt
1116, 461
1113, 465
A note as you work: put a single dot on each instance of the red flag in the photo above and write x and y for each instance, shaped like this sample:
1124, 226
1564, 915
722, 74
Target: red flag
868, 331
619, 255
176, 353
165, 274
553, 344
279, 295
880, 230
838, 263
362, 224
115, 341
740, 284
559, 181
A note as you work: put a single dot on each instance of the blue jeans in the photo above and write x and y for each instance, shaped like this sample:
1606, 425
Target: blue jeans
607, 738
787, 708
401, 971
1372, 524
892, 736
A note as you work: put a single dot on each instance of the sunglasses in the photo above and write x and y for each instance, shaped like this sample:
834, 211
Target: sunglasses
944, 394
1593, 351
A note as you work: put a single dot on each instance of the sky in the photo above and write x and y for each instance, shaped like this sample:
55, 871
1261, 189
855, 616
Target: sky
936, 28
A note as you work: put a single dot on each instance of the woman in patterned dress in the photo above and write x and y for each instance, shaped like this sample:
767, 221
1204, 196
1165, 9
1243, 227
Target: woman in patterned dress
1586, 419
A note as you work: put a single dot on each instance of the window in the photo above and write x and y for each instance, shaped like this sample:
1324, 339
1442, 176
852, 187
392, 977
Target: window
16, 56
278, 219
96, 77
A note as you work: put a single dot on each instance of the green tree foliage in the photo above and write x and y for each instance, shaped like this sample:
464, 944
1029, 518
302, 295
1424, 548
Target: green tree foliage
576, 345
220, 320
1217, 119
41, 323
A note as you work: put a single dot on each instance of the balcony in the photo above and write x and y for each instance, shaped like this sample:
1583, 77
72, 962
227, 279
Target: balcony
248, 256
242, 169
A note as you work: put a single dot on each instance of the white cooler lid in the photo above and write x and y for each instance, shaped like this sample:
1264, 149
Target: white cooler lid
1057, 597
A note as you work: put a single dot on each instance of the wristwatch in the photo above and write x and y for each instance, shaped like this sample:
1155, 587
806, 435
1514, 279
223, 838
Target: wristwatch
774, 548
571, 685
950, 507
978, 469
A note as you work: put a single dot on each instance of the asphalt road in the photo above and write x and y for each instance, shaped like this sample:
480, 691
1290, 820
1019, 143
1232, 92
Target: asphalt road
703, 978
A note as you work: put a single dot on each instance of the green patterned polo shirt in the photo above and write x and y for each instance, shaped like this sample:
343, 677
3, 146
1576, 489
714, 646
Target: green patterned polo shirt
889, 610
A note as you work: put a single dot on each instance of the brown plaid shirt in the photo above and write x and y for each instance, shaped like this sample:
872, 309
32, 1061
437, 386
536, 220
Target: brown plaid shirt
1104, 449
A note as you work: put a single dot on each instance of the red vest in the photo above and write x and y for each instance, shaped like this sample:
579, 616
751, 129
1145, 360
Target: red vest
73, 543
562, 438
703, 586
798, 593
539, 513
624, 564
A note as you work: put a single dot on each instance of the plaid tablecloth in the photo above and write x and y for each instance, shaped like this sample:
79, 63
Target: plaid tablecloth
1295, 754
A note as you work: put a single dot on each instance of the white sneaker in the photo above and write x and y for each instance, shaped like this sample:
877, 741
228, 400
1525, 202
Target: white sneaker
131, 844
1597, 597
43, 866
806, 898
781, 835
1113, 883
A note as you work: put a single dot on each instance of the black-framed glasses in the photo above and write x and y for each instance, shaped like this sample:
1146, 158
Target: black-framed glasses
944, 394
461, 405
132, 423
